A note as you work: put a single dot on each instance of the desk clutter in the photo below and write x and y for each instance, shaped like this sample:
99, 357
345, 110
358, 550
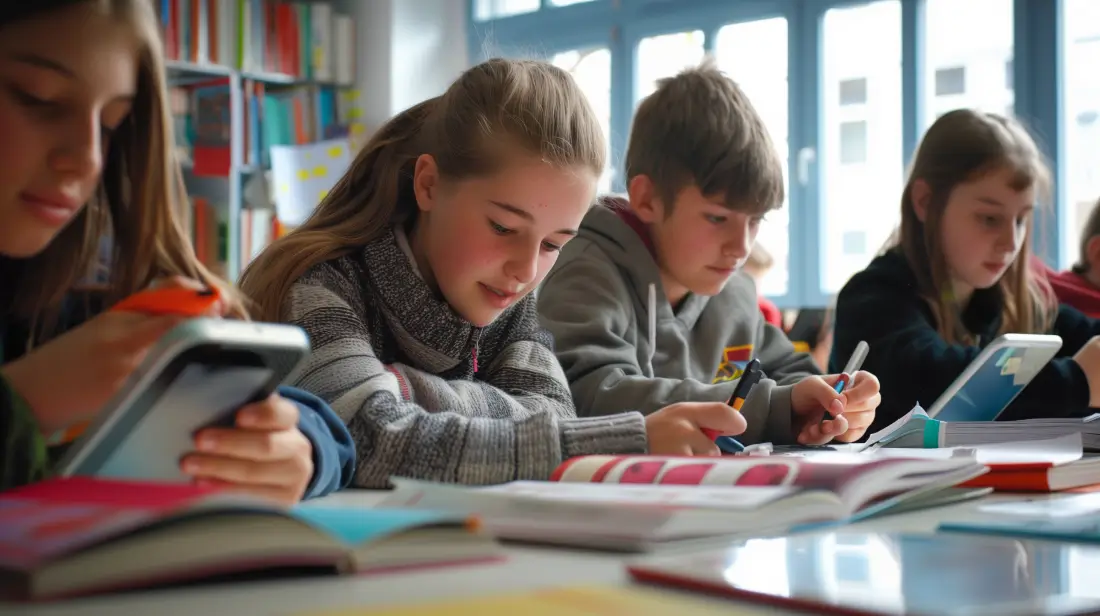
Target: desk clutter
757, 528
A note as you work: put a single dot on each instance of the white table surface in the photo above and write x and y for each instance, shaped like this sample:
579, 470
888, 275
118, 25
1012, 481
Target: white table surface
525, 568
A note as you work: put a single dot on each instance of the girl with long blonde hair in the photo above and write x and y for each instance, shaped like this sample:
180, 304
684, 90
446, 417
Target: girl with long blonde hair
415, 279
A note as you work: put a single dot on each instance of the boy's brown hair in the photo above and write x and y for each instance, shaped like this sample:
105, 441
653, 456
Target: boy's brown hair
699, 128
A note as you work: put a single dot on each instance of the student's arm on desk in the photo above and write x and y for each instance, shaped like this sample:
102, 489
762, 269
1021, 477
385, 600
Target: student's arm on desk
914, 364
518, 425
585, 304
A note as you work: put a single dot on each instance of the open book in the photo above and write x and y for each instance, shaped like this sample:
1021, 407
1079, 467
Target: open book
641, 502
79, 536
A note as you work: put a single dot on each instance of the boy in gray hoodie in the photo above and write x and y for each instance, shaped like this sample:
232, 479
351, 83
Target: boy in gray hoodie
647, 305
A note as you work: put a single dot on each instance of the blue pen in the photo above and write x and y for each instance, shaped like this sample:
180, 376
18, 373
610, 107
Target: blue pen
749, 377
855, 362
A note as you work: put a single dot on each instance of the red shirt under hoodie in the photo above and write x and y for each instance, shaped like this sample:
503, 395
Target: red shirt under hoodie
1071, 288
621, 207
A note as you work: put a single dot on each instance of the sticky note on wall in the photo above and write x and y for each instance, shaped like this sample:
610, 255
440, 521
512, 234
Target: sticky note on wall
304, 174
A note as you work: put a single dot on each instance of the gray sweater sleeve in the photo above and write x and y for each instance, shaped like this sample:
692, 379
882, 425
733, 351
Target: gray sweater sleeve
517, 423
582, 304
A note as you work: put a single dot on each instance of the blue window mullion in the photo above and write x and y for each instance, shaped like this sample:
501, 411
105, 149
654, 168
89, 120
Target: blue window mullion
912, 76
807, 217
623, 59
1037, 64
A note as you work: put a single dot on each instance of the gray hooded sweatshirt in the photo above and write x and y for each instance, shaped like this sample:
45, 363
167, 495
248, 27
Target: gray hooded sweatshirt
623, 347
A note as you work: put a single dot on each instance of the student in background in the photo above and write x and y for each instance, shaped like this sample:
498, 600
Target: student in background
648, 306
1080, 286
756, 267
86, 153
413, 278
959, 275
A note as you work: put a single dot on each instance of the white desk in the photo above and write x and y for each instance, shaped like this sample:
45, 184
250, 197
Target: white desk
526, 568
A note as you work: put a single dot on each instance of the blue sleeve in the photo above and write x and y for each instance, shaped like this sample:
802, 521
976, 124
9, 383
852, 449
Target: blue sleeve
333, 449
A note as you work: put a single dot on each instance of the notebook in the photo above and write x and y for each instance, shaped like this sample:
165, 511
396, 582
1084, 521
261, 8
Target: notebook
638, 503
852, 572
78, 536
917, 430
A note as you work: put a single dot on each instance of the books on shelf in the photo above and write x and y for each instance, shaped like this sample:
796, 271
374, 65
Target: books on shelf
80, 536
642, 502
300, 40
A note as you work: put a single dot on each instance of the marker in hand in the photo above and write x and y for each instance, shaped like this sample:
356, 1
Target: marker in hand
855, 362
171, 301
751, 376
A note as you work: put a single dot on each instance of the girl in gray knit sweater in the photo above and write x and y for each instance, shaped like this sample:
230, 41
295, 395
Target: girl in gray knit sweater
414, 280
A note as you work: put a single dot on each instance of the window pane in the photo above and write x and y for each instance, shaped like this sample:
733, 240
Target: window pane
492, 9
1082, 117
861, 157
566, 2
754, 54
592, 70
968, 56
664, 56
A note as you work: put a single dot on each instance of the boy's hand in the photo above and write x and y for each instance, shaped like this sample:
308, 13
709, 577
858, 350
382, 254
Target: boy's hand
677, 429
861, 399
853, 411
264, 454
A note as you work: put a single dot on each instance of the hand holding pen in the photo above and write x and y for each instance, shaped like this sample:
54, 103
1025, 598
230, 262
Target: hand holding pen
860, 394
751, 376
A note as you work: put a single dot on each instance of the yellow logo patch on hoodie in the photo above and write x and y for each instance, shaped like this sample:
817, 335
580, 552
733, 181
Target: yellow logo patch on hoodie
734, 360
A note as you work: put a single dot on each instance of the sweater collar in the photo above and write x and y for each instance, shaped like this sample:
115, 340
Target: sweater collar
427, 328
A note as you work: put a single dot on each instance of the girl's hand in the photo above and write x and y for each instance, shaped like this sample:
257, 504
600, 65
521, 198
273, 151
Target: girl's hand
678, 429
264, 454
70, 378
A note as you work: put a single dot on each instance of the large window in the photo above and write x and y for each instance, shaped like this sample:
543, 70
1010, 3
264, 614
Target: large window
1082, 116
862, 155
754, 54
591, 67
968, 56
664, 56
834, 82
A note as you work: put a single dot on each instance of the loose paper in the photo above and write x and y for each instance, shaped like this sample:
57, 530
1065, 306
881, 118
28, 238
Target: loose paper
303, 175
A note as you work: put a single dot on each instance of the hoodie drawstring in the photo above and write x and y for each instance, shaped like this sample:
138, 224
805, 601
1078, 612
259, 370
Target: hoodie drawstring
652, 327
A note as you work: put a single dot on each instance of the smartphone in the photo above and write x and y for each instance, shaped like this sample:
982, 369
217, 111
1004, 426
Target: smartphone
198, 375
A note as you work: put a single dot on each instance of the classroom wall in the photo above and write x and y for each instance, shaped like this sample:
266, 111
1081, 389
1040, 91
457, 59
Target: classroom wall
408, 50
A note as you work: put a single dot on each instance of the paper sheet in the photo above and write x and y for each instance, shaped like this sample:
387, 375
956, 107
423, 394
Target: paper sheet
303, 174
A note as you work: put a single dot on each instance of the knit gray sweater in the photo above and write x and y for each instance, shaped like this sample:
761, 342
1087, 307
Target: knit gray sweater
428, 395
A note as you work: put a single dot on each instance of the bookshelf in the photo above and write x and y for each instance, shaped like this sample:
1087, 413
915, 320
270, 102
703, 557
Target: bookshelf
245, 75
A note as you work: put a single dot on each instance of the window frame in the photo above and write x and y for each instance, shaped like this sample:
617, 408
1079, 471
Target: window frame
621, 24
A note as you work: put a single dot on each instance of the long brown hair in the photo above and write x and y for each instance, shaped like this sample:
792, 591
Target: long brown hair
138, 203
1089, 231
961, 146
495, 105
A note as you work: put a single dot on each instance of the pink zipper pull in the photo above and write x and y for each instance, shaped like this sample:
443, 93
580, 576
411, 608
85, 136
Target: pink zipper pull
475, 359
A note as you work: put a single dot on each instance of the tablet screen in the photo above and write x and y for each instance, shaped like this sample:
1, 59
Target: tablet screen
995, 384
152, 435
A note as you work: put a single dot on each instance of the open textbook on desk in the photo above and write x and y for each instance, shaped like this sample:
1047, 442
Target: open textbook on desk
78, 536
641, 502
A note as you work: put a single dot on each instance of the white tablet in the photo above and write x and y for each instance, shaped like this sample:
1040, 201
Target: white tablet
994, 379
198, 375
